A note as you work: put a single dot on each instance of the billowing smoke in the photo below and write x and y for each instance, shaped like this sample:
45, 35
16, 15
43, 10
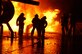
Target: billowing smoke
46, 4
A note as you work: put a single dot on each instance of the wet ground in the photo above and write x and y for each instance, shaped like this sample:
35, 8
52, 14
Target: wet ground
51, 45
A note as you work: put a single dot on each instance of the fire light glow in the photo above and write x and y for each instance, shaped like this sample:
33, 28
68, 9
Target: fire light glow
30, 11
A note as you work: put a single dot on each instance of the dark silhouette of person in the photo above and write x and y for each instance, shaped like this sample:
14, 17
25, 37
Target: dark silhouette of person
73, 17
64, 21
20, 23
35, 23
64, 37
43, 26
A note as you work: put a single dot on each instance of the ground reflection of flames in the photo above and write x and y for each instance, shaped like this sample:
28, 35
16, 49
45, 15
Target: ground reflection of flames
30, 11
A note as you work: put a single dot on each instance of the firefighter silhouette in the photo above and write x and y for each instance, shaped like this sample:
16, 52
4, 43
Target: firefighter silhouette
64, 21
20, 23
35, 23
72, 23
43, 25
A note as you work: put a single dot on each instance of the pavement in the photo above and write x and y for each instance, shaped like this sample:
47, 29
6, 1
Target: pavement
51, 45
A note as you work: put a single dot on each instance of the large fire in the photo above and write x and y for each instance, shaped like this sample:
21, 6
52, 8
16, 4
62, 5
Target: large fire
30, 11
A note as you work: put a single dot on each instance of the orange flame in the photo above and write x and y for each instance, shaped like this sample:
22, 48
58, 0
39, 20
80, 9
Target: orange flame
30, 11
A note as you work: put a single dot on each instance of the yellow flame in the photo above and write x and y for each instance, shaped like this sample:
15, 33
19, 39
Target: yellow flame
30, 11
51, 15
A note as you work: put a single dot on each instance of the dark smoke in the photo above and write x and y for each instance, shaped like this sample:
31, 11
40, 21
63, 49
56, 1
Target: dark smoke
64, 5
46, 4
